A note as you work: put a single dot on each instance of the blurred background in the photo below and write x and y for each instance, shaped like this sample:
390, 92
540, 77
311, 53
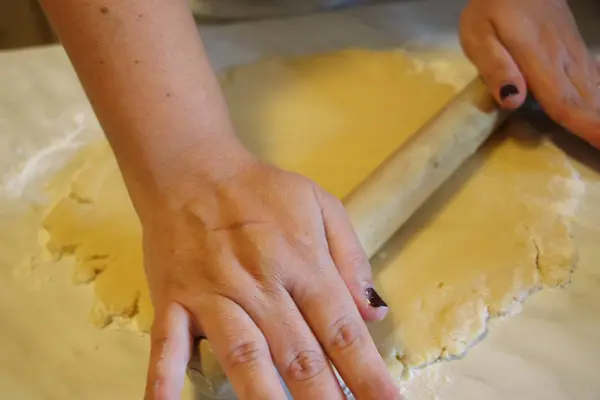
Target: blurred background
22, 23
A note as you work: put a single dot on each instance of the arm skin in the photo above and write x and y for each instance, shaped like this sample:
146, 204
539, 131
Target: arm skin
152, 88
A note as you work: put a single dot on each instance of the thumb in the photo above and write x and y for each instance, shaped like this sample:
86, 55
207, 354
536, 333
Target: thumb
171, 345
495, 64
350, 259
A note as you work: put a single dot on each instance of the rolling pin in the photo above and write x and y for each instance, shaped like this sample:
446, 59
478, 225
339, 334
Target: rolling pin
382, 203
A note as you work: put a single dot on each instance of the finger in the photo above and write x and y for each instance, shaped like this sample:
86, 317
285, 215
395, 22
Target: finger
545, 68
170, 351
562, 101
497, 67
330, 311
350, 259
582, 71
296, 352
584, 77
240, 348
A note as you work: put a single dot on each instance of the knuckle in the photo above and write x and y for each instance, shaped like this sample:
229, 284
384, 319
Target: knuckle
306, 365
345, 334
245, 355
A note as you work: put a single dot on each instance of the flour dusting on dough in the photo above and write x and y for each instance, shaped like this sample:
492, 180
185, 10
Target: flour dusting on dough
44, 161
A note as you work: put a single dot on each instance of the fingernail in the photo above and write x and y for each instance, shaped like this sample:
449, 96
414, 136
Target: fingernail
373, 298
508, 90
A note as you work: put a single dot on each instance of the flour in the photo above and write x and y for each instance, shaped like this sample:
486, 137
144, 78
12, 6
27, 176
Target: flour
447, 67
44, 162
575, 185
427, 383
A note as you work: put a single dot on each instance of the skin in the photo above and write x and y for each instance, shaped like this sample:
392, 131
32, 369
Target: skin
261, 261
535, 45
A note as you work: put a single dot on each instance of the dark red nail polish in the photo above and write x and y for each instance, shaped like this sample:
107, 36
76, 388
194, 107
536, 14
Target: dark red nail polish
373, 298
508, 90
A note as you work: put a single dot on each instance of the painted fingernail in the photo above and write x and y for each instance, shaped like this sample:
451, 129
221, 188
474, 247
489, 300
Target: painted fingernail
373, 298
508, 90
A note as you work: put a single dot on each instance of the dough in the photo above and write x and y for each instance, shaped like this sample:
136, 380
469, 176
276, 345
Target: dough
97, 223
334, 118
493, 234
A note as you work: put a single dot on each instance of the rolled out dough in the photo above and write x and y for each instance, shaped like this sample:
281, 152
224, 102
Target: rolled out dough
334, 118
493, 234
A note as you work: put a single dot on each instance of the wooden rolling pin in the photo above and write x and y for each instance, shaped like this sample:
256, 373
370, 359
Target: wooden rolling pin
380, 205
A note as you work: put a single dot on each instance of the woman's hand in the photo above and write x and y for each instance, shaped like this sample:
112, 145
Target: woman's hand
521, 45
260, 261
266, 265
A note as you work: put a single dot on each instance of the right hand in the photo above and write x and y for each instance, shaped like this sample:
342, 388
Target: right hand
522, 46
266, 265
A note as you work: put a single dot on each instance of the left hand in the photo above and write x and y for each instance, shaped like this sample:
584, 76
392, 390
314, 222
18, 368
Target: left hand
521, 45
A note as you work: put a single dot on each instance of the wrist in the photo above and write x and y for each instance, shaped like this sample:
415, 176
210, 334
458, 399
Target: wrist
179, 172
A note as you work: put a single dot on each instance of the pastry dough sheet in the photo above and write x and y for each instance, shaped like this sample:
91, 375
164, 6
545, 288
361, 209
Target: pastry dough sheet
334, 117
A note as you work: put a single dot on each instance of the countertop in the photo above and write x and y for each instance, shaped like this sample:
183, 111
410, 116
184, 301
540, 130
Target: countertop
47, 348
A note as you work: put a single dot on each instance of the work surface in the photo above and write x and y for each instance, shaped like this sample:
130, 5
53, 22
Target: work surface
47, 348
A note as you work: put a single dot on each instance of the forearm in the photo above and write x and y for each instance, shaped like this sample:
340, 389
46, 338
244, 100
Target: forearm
147, 76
